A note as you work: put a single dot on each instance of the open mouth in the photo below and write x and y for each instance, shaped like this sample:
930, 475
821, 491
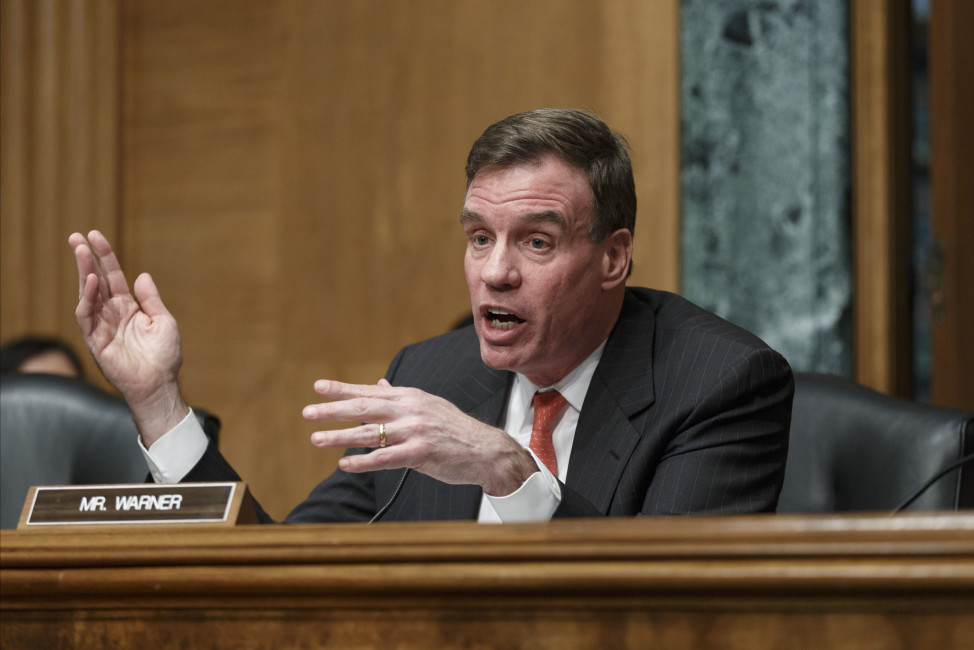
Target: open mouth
501, 319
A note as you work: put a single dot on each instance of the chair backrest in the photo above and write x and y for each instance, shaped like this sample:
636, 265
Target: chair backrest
63, 431
855, 449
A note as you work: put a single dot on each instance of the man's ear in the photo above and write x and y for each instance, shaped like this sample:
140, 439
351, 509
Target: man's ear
616, 259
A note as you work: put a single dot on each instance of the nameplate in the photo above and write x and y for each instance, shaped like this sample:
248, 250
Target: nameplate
225, 504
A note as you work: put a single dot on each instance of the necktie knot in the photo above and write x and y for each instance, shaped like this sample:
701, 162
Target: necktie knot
547, 406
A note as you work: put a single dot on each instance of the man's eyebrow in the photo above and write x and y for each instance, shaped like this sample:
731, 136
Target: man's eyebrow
547, 216
469, 216
553, 217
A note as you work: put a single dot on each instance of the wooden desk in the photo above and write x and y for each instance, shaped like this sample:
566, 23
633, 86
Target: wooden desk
734, 582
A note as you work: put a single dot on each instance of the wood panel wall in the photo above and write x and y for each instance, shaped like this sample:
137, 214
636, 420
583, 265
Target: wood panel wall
291, 173
59, 119
881, 195
952, 201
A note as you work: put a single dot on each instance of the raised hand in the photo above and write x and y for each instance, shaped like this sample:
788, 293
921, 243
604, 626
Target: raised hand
422, 431
134, 339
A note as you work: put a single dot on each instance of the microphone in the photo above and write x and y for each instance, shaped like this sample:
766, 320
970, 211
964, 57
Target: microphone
392, 499
936, 477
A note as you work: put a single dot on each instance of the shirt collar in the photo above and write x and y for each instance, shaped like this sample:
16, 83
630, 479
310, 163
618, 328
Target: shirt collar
572, 386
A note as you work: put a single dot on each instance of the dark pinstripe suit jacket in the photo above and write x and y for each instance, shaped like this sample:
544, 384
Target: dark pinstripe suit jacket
686, 413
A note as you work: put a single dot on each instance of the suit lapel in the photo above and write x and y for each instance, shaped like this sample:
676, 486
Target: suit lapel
621, 387
483, 394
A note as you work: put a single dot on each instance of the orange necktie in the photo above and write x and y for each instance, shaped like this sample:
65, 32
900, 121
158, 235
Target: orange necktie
547, 406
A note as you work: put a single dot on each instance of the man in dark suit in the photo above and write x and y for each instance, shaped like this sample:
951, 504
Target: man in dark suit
571, 395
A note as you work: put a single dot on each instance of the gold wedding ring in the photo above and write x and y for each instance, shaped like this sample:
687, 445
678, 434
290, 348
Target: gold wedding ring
382, 435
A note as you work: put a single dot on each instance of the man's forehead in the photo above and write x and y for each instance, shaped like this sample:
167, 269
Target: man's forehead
549, 190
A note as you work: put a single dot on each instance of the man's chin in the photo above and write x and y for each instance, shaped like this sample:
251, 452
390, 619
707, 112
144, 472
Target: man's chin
500, 357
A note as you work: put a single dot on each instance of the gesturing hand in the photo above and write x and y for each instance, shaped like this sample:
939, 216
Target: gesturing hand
422, 431
135, 340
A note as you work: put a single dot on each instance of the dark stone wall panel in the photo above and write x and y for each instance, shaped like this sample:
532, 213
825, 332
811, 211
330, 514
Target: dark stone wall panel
765, 172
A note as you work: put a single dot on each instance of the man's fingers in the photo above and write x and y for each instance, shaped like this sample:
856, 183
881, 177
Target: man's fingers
91, 253
99, 244
392, 456
115, 283
375, 460
366, 435
84, 259
148, 296
349, 409
338, 390
86, 301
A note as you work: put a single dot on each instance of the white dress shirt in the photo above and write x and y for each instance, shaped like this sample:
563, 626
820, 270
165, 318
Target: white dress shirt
539, 496
181, 448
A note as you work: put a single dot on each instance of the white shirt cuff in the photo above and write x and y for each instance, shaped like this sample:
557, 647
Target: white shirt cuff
536, 500
177, 452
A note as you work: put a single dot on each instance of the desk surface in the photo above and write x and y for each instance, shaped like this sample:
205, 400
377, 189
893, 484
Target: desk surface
755, 581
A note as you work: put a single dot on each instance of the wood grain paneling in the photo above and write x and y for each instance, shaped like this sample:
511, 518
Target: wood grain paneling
881, 195
58, 154
952, 200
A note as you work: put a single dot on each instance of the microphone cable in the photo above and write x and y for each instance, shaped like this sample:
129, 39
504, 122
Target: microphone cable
392, 499
963, 460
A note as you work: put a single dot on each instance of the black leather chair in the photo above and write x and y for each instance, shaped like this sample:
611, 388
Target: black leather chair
63, 431
855, 449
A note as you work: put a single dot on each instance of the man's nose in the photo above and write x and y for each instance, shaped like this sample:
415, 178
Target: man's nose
500, 269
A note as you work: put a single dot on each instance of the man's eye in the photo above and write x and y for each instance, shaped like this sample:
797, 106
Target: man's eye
538, 244
481, 240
